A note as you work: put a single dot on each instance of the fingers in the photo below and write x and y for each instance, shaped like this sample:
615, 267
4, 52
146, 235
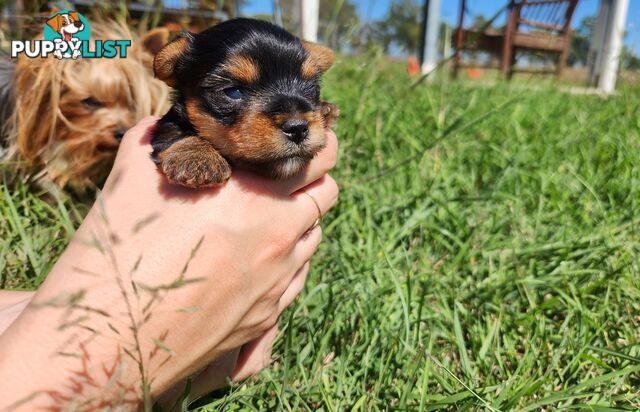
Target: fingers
294, 288
252, 357
213, 377
255, 355
140, 133
136, 142
320, 165
307, 245
321, 194
134, 150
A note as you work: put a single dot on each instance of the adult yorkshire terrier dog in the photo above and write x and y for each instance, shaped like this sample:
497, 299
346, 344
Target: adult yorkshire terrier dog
67, 116
248, 95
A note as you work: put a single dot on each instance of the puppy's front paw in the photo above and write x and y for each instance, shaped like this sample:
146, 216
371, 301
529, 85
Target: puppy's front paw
330, 114
194, 163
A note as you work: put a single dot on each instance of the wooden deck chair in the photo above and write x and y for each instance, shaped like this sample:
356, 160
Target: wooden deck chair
541, 26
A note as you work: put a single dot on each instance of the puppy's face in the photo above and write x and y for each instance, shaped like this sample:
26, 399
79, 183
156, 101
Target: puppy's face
253, 91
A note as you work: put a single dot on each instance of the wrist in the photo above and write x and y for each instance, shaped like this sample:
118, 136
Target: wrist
57, 355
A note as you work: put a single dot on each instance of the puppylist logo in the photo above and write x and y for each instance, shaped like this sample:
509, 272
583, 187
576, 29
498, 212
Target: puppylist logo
67, 35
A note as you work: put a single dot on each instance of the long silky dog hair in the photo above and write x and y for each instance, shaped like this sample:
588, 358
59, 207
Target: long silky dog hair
63, 119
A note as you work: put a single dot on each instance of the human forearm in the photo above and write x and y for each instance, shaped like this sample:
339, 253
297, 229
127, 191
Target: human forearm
79, 326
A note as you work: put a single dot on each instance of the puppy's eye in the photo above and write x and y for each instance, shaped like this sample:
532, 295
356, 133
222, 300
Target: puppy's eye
234, 93
92, 103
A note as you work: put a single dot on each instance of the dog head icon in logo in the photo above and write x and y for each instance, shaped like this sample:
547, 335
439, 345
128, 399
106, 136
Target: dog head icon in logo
68, 27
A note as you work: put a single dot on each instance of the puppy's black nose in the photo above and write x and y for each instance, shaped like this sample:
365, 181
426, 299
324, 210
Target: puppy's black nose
78, 24
119, 134
296, 130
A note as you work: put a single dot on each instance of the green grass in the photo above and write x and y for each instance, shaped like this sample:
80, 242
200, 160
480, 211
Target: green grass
484, 253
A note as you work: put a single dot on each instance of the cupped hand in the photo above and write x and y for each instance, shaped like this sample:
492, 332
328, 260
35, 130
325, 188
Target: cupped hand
160, 280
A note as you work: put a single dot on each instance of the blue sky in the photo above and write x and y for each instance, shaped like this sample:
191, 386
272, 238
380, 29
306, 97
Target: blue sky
377, 9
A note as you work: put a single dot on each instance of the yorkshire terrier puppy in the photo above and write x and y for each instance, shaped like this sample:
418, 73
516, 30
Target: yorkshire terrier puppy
248, 96
67, 116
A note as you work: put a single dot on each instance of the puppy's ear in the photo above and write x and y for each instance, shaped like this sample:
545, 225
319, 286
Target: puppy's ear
164, 64
55, 22
320, 56
147, 46
74, 15
154, 40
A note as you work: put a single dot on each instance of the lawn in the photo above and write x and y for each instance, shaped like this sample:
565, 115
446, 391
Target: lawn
483, 255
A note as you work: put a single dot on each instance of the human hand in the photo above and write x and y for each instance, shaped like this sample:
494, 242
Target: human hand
236, 365
216, 267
